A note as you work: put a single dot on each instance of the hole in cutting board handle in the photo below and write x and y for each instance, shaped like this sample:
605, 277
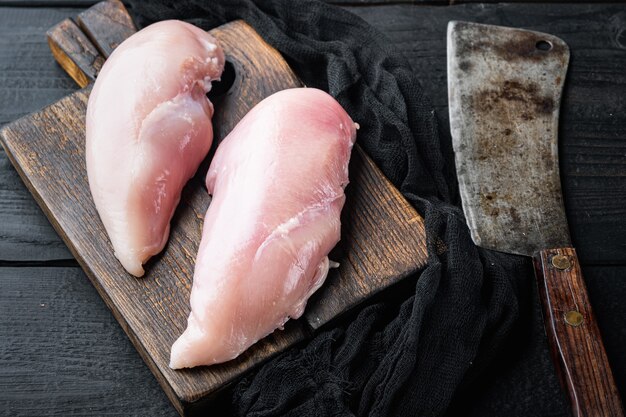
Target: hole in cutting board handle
218, 92
221, 87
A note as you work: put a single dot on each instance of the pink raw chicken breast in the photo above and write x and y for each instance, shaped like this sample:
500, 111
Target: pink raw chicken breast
148, 129
278, 183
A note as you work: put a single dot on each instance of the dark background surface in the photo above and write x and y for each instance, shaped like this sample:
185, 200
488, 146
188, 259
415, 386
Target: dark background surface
62, 352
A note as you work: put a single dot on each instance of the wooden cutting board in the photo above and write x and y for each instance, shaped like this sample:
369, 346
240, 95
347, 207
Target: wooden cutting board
383, 238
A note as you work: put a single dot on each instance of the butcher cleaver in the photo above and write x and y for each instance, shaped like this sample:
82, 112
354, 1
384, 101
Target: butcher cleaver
504, 89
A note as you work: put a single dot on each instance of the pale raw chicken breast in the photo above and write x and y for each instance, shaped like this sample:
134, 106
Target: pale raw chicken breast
148, 129
278, 183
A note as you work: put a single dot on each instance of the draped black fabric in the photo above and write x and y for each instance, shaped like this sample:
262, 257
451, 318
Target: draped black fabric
426, 347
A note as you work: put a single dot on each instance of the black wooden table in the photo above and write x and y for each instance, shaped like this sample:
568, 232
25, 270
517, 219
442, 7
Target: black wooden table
62, 352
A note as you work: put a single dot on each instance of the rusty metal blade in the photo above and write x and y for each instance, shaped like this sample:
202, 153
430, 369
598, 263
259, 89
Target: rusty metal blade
504, 89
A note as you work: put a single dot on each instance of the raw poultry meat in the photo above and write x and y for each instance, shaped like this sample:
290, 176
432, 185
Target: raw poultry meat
278, 183
148, 129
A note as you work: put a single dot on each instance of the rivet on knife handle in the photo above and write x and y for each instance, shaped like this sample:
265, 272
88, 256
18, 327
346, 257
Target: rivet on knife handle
574, 335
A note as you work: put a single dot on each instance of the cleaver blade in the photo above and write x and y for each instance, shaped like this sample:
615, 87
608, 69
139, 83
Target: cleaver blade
504, 95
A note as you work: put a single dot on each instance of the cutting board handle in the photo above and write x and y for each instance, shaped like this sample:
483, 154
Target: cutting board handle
81, 48
574, 336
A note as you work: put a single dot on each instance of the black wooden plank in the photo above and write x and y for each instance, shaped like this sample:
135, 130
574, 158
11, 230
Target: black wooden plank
62, 353
47, 3
593, 123
87, 3
29, 80
369, 3
25, 233
29, 77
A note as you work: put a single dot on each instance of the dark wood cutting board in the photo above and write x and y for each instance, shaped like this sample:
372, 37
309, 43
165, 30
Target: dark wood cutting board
383, 238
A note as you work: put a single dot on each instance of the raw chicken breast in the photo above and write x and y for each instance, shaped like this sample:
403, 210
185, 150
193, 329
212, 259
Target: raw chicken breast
148, 129
277, 182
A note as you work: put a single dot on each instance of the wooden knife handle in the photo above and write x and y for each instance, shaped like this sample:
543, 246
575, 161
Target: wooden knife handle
574, 336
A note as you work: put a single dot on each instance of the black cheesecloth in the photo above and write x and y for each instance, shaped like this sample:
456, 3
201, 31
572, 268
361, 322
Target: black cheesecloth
462, 337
